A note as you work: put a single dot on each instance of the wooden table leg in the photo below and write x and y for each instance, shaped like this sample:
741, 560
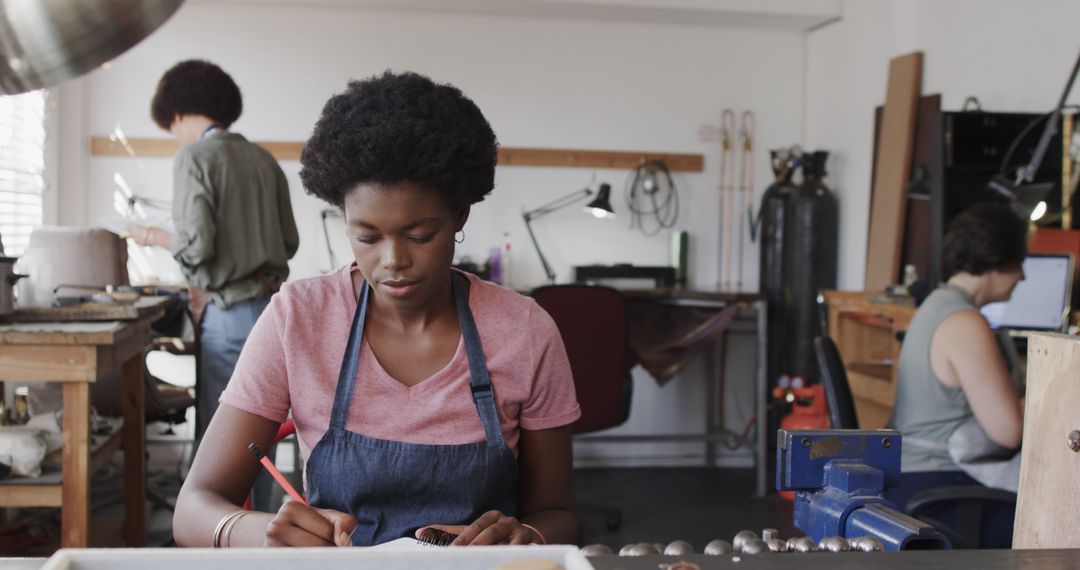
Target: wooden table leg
75, 512
134, 453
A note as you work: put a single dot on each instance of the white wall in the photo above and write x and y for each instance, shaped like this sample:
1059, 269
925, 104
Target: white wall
1013, 56
541, 83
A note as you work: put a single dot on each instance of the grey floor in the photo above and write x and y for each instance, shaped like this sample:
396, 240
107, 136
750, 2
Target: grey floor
658, 505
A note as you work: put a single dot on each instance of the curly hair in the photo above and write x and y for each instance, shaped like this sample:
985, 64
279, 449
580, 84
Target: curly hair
398, 128
985, 237
196, 87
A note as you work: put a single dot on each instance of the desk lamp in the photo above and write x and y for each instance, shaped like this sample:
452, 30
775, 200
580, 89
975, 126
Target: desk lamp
599, 207
1027, 199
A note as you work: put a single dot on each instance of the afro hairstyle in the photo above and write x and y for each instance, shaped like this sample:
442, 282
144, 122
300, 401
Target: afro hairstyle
401, 127
196, 87
986, 237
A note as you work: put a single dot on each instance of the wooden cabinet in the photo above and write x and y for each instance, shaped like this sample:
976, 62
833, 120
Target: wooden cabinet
866, 334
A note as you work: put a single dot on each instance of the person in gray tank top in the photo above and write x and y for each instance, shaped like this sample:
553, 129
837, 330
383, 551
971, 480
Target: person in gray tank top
950, 367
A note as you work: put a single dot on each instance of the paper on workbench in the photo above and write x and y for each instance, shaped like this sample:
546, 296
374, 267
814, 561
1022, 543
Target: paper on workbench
119, 225
405, 543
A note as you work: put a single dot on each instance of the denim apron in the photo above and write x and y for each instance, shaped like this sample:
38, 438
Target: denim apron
394, 488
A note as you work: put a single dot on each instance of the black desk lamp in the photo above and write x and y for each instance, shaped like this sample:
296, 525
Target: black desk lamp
1027, 199
599, 207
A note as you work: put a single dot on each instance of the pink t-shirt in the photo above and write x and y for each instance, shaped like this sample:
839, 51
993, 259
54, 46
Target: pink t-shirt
292, 358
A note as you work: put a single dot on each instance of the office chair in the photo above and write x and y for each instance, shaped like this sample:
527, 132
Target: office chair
837, 390
176, 333
592, 323
970, 515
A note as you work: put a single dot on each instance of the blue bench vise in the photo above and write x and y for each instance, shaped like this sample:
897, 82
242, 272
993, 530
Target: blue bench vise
838, 477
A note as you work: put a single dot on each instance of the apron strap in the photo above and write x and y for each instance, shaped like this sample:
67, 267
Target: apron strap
339, 416
482, 392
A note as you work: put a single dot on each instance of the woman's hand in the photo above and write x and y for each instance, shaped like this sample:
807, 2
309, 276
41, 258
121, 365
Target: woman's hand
297, 524
141, 235
493, 527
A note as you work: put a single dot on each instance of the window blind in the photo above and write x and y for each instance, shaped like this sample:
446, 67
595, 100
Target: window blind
22, 168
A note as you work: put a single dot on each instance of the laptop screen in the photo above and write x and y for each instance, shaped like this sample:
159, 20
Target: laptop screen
1039, 302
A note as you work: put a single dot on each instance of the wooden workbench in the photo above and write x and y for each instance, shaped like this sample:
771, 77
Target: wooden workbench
77, 354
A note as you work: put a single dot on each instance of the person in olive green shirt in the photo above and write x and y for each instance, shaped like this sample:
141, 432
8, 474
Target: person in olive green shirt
234, 223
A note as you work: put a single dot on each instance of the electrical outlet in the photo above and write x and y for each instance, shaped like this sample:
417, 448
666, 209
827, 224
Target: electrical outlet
706, 133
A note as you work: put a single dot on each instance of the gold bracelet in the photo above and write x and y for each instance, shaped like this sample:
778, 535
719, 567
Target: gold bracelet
543, 540
221, 526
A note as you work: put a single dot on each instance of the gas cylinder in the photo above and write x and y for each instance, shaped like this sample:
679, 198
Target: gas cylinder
771, 225
810, 262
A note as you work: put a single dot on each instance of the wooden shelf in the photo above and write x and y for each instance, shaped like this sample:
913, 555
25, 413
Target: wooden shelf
508, 156
46, 490
874, 370
875, 320
865, 333
872, 389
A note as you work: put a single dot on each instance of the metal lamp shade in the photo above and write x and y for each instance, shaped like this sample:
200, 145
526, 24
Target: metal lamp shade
45, 42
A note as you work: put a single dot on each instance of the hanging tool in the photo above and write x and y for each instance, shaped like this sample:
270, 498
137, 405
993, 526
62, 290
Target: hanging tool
746, 188
727, 190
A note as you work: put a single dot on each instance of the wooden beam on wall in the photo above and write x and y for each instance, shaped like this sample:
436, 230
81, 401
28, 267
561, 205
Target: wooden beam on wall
508, 156
892, 171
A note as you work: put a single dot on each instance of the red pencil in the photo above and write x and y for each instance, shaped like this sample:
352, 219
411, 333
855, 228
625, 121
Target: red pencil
269, 465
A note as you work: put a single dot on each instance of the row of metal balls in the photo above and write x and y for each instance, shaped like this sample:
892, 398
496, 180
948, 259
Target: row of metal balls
745, 542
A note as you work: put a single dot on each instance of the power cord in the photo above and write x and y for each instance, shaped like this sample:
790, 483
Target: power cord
647, 197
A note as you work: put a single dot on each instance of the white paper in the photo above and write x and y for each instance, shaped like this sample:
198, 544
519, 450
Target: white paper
404, 543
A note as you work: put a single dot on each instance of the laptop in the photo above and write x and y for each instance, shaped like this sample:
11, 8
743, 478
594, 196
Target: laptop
1041, 302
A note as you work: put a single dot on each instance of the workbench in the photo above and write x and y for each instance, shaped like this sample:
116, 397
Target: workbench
77, 354
489, 558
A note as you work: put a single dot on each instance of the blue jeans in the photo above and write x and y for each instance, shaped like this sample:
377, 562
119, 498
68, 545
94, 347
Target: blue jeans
223, 332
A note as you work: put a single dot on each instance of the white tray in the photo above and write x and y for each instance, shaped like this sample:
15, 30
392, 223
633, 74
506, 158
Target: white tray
474, 557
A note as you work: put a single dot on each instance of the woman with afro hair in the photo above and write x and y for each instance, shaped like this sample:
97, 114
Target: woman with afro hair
422, 396
235, 230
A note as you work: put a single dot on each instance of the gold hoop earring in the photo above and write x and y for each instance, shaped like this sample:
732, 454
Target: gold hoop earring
456, 240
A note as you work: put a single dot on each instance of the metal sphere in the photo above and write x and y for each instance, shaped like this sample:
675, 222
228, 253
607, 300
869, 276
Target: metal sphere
777, 545
834, 544
718, 547
740, 539
801, 544
755, 546
596, 550
642, 549
678, 548
867, 544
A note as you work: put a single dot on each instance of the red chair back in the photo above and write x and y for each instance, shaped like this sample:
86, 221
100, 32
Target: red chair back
592, 322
